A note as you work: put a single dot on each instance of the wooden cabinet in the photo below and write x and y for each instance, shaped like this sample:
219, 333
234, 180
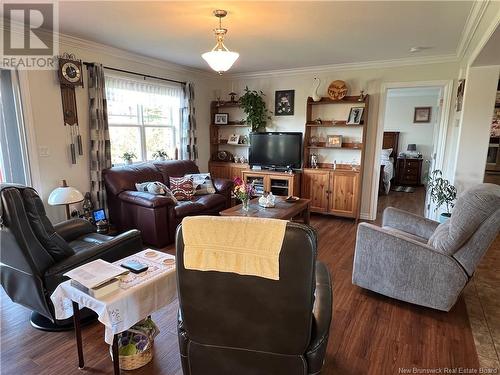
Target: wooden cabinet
334, 192
315, 184
409, 172
279, 183
226, 170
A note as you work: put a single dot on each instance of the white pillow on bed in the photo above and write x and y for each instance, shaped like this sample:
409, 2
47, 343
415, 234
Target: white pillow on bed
384, 156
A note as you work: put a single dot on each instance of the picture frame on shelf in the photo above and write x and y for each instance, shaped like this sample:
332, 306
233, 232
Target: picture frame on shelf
422, 115
284, 103
233, 139
355, 116
334, 141
221, 118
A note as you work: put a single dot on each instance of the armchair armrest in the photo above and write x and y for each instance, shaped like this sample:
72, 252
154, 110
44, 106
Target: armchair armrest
114, 248
406, 269
74, 228
408, 222
143, 199
322, 316
223, 185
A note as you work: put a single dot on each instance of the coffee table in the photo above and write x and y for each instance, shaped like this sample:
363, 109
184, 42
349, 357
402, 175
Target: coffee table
283, 210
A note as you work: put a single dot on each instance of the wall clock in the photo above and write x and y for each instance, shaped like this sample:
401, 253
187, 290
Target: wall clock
70, 76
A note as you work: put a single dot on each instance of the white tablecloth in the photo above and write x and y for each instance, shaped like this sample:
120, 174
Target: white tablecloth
139, 296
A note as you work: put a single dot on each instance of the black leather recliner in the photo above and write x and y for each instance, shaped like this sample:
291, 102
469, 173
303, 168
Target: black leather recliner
34, 254
235, 324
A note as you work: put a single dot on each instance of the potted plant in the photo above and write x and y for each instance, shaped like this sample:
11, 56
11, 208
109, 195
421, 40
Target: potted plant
128, 157
161, 155
442, 193
254, 106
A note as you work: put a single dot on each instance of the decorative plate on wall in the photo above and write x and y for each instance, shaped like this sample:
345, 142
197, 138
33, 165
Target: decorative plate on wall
337, 90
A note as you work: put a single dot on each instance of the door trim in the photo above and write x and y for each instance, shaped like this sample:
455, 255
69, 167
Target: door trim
440, 142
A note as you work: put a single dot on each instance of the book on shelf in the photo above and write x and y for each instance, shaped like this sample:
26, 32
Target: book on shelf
102, 290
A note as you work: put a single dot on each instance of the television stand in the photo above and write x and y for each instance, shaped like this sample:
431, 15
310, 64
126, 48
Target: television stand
279, 183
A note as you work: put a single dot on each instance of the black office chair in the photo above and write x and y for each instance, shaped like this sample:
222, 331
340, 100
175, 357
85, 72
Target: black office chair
246, 325
34, 254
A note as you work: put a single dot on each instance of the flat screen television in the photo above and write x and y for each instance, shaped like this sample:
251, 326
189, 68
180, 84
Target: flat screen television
276, 150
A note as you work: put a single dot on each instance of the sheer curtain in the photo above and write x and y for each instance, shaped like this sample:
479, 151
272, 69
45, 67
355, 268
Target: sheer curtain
144, 117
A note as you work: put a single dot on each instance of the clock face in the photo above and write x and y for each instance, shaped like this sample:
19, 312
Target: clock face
71, 72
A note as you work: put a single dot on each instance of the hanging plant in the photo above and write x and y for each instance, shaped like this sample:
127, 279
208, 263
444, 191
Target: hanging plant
254, 106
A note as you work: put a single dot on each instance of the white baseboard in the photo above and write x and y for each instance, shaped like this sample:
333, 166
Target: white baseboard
366, 216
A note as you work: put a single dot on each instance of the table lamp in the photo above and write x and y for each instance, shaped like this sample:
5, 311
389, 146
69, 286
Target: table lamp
412, 147
65, 195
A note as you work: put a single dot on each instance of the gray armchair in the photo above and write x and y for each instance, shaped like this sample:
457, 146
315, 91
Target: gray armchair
420, 261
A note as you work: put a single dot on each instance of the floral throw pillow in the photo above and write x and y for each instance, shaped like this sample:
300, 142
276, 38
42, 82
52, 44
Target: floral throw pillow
182, 188
156, 188
202, 183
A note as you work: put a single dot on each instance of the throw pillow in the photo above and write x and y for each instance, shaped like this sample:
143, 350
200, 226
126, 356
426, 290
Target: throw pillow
384, 156
202, 183
182, 188
157, 188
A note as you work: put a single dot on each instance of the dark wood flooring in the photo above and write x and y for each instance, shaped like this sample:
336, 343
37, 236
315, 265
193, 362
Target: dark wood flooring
370, 334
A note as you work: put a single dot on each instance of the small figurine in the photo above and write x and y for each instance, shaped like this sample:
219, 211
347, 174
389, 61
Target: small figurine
318, 121
232, 94
362, 96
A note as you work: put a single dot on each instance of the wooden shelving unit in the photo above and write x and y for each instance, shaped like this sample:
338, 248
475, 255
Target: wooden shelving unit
334, 191
217, 168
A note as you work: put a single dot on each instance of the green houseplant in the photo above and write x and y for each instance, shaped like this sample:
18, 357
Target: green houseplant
128, 157
254, 106
442, 193
160, 155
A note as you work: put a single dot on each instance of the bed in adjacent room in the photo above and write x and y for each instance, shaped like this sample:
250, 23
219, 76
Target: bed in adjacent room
387, 160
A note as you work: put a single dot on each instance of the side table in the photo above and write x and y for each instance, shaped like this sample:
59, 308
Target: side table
138, 297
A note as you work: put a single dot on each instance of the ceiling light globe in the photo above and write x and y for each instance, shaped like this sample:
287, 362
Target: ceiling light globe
220, 61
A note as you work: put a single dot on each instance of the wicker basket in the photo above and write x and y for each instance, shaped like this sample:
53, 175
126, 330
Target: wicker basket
132, 362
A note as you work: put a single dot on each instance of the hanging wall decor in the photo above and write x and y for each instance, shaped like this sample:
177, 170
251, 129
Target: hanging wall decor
70, 76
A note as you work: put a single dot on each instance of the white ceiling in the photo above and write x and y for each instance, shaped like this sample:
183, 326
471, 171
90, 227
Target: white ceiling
271, 35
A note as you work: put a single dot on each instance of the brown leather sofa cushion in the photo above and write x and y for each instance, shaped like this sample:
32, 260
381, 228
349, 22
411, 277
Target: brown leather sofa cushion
143, 199
123, 178
199, 204
175, 168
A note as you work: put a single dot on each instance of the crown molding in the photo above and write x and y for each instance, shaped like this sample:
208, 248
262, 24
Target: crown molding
408, 61
473, 19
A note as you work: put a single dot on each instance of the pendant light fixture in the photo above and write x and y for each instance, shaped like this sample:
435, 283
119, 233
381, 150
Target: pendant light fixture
220, 58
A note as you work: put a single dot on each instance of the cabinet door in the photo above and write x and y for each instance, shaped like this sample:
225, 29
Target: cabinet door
220, 171
344, 193
315, 187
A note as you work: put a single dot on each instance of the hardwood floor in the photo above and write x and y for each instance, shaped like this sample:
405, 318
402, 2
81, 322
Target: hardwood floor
370, 334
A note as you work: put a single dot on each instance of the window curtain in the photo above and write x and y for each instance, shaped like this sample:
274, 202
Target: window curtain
100, 145
189, 150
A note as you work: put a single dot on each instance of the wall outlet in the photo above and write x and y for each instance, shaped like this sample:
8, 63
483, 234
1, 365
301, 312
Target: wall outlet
43, 151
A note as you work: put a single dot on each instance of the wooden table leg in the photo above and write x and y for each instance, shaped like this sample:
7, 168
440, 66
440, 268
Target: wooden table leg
307, 215
116, 355
78, 334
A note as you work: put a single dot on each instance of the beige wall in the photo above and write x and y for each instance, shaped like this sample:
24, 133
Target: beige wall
50, 134
369, 79
479, 101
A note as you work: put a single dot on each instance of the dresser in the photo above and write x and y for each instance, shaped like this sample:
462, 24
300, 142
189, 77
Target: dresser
409, 171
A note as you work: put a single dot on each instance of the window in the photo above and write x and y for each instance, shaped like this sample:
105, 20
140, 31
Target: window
143, 117
14, 162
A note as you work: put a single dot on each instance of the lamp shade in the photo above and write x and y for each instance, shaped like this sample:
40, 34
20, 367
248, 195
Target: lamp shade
65, 195
220, 60
412, 147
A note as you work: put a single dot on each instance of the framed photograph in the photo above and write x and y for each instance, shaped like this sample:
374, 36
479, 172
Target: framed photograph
334, 141
221, 118
234, 139
422, 115
460, 94
284, 103
355, 116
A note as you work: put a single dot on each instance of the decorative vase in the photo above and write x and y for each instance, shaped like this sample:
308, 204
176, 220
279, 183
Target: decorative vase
444, 217
162, 158
129, 161
245, 204
315, 96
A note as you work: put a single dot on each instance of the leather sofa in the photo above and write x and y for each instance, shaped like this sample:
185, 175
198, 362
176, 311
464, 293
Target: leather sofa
35, 254
156, 216
237, 324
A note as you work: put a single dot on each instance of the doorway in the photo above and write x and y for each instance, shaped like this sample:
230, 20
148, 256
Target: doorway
411, 137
